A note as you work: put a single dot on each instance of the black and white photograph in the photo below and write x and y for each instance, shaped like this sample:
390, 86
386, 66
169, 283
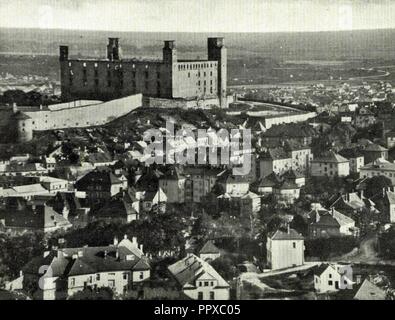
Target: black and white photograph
201, 151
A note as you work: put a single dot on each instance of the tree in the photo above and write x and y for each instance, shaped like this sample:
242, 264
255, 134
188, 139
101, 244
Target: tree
299, 224
376, 184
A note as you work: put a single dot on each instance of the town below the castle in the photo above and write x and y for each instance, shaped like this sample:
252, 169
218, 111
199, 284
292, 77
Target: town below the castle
90, 210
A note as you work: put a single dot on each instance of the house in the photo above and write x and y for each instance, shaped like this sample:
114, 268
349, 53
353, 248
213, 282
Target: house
297, 132
209, 251
23, 169
355, 157
148, 199
286, 191
233, 184
22, 216
173, 185
333, 277
379, 167
198, 280
50, 163
199, 182
275, 160
118, 266
330, 223
350, 203
100, 159
266, 184
300, 154
370, 291
385, 203
25, 191
364, 118
54, 185
121, 207
285, 249
295, 176
373, 152
99, 185
330, 164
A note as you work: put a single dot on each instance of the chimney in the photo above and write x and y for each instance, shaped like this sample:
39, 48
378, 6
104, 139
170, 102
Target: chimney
134, 240
141, 248
125, 236
332, 211
383, 192
115, 241
288, 229
105, 254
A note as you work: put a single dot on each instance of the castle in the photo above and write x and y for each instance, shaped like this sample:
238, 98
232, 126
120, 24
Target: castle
167, 79
97, 91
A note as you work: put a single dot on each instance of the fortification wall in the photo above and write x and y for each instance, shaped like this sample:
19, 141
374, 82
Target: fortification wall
86, 116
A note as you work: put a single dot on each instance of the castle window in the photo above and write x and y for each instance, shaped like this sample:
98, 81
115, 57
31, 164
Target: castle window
109, 83
134, 74
146, 74
158, 75
96, 82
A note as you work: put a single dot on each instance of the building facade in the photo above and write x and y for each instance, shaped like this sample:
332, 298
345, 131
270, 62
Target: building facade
169, 78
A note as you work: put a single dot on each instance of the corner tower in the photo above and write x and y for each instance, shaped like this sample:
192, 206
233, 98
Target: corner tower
217, 51
113, 49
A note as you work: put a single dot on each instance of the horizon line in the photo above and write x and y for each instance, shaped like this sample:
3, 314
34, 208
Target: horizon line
223, 32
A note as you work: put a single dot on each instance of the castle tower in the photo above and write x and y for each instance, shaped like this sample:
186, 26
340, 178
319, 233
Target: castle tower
113, 49
24, 127
217, 51
63, 53
169, 52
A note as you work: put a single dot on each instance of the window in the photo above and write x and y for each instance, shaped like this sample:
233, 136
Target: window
72, 282
96, 73
134, 74
294, 245
141, 275
212, 283
200, 295
206, 283
109, 83
212, 295
146, 74
158, 75
125, 276
330, 283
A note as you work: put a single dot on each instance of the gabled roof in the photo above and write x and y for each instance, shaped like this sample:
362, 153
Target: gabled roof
187, 270
351, 153
375, 148
227, 177
209, 247
369, 291
269, 181
330, 156
275, 154
390, 195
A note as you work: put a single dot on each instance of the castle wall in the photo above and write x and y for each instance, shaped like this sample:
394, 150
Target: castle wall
195, 79
107, 80
92, 115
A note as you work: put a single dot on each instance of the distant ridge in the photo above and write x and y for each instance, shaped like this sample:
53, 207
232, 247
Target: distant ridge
322, 45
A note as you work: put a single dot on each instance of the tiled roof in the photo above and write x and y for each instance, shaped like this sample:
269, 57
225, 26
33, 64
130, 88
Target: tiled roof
369, 291
275, 153
209, 247
330, 156
375, 148
284, 235
351, 153
188, 270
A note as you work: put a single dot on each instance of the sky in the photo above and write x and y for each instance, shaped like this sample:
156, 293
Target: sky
199, 15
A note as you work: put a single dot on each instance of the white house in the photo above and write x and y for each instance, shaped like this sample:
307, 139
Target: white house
333, 277
70, 270
198, 279
209, 251
285, 249
330, 164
